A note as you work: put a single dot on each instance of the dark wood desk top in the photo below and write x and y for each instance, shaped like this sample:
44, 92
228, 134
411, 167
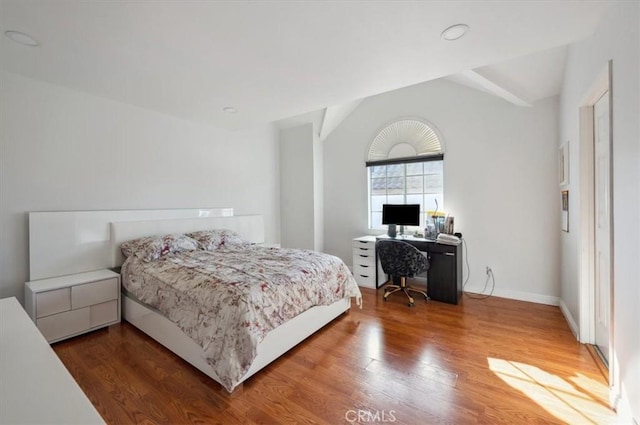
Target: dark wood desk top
427, 245
406, 238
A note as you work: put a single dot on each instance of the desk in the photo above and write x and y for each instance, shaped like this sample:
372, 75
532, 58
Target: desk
444, 277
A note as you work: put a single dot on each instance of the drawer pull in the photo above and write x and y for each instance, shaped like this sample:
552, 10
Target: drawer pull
450, 254
364, 249
363, 265
362, 275
363, 256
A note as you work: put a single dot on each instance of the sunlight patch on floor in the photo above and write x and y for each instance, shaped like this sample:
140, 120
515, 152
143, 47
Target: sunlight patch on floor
577, 399
374, 344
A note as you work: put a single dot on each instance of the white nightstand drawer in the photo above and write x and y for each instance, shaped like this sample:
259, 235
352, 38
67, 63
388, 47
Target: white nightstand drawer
94, 293
51, 302
64, 324
65, 306
104, 313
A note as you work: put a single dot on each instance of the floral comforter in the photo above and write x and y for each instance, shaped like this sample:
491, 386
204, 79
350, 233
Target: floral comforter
229, 299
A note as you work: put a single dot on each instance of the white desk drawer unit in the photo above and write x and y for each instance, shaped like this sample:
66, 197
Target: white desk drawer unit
66, 306
364, 262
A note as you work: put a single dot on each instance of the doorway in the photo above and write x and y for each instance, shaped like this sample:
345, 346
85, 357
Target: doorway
602, 209
596, 222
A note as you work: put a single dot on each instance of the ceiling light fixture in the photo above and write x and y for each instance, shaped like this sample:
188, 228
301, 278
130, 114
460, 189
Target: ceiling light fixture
229, 110
455, 32
22, 38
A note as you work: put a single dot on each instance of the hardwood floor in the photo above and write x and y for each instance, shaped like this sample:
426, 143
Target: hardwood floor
493, 361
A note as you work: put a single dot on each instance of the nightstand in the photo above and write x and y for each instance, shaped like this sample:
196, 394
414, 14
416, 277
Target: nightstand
66, 306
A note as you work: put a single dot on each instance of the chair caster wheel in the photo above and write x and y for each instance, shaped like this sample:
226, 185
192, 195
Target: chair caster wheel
410, 304
426, 298
385, 299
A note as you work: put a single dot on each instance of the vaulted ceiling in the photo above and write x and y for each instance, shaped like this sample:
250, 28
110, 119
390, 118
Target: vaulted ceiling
276, 59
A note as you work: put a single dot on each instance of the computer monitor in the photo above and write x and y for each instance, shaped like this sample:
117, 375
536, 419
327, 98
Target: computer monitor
401, 215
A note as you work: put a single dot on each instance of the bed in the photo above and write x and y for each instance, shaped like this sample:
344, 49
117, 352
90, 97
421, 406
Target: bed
181, 299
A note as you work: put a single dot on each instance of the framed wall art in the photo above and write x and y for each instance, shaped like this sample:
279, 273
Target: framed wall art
563, 164
565, 210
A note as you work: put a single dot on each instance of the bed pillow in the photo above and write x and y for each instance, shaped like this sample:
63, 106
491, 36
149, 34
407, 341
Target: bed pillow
150, 248
178, 243
210, 240
230, 238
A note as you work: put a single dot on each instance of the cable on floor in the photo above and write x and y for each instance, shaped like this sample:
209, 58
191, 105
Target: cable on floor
482, 295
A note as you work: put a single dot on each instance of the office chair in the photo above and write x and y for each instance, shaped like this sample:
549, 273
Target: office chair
401, 259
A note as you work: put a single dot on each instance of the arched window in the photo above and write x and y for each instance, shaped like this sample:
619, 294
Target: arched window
405, 166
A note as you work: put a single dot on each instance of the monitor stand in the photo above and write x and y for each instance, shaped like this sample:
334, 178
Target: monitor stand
392, 233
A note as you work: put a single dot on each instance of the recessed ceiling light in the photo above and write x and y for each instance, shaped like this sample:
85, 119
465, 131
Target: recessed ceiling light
229, 110
455, 32
22, 38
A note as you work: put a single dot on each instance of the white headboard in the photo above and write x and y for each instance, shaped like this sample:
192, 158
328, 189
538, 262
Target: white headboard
68, 242
248, 227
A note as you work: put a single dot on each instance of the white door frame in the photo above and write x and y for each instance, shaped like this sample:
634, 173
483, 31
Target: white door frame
587, 220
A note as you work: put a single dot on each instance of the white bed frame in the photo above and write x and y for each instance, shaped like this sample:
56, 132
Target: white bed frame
277, 342
69, 242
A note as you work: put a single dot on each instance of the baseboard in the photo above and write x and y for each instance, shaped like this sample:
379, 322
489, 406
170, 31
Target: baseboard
599, 361
572, 323
518, 295
623, 407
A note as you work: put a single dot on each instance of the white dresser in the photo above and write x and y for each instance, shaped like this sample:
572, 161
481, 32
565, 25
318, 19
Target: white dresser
66, 306
364, 262
35, 387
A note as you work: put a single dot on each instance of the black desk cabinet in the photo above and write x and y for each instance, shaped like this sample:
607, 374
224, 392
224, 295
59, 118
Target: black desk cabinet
444, 277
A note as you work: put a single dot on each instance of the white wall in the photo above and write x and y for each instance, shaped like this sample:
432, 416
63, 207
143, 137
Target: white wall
297, 187
66, 150
616, 39
500, 181
318, 192
301, 193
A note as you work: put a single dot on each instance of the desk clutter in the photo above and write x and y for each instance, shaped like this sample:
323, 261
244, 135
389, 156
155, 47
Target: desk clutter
448, 239
438, 223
